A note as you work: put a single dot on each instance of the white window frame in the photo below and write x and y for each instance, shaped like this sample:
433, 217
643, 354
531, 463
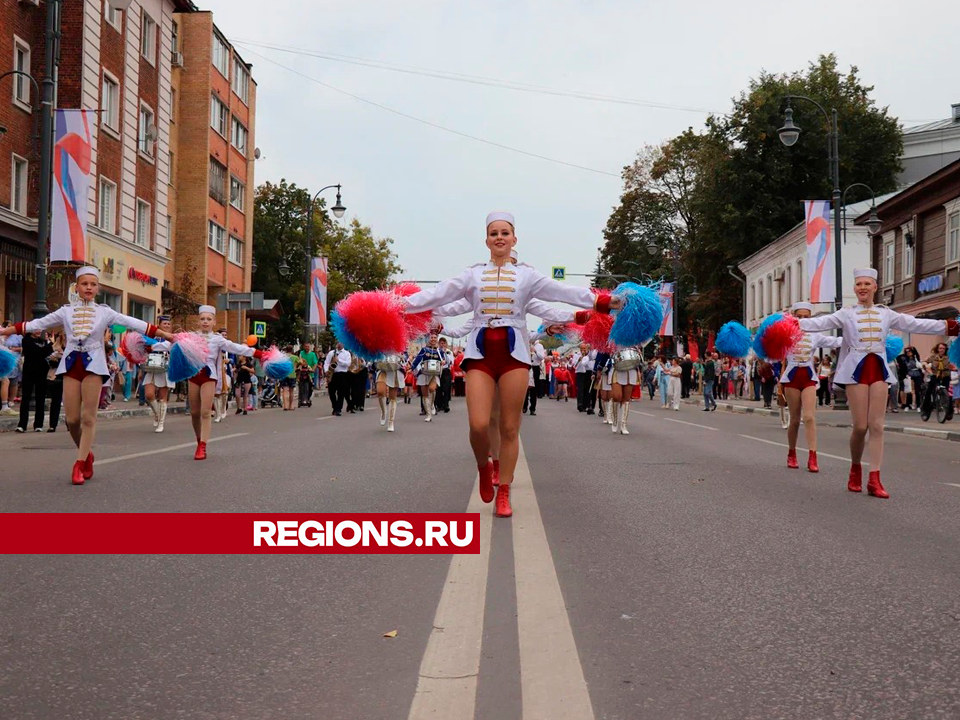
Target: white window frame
113, 15
219, 117
220, 51
760, 305
215, 241
19, 204
145, 147
223, 199
108, 120
148, 38
110, 225
801, 286
240, 202
22, 87
909, 254
236, 125
142, 206
174, 37
230, 254
952, 209
889, 262
241, 81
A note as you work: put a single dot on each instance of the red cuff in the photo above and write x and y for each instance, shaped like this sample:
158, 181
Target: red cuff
582, 317
953, 328
21, 327
152, 331
258, 354
603, 304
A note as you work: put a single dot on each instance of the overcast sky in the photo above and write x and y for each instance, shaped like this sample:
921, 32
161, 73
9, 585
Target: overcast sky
430, 190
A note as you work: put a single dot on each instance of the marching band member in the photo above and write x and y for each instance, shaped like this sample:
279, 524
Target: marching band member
497, 359
390, 380
156, 385
84, 362
428, 366
224, 385
603, 379
863, 368
624, 374
799, 383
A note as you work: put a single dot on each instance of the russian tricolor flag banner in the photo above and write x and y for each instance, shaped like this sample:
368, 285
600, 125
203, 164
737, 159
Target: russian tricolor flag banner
820, 251
71, 184
318, 291
666, 303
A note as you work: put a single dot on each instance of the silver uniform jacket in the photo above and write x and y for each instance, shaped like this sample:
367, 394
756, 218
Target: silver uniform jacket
802, 354
498, 297
865, 333
85, 324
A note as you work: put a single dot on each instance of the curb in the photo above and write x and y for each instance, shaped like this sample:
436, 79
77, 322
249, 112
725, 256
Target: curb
9, 423
948, 435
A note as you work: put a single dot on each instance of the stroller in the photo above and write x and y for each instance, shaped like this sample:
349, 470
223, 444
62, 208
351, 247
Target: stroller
269, 394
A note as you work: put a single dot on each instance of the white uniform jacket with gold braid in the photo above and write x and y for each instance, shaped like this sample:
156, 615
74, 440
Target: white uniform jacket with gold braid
498, 297
85, 324
865, 333
802, 354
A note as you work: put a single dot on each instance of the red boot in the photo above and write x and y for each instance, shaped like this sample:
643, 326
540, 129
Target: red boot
486, 482
88, 467
78, 469
201, 453
496, 473
792, 460
812, 465
875, 487
855, 483
503, 502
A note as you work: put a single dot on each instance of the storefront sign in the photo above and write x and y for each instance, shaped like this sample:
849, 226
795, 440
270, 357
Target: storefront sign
144, 279
930, 284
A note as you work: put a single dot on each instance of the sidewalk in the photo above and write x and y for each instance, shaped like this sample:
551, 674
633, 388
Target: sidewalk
908, 423
8, 423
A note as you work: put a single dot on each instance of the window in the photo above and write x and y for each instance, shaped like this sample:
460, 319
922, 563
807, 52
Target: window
174, 40
236, 250
953, 237
147, 130
215, 237
752, 313
218, 181
170, 171
221, 56
888, 263
21, 62
908, 259
148, 39
239, 136
106, 212
760, 304
238, 193
113, 15
173, 105
110, 101
111, 299
219, 116
241, 81
141, 311
143, 224
801, 288
18, 185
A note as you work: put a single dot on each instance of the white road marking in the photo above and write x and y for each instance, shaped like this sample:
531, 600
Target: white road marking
684, 422
819, 454
551, 676
133, 456
326, 417
448, 672
951, 484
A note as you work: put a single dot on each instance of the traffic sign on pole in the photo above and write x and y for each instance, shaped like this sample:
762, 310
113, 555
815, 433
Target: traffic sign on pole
559, 273
260, 328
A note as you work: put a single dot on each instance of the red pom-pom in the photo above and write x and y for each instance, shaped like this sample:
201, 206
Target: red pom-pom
418, 324
596, 331
375, 320
780, 337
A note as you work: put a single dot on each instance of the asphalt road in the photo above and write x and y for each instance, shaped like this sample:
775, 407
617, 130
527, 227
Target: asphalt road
680, 572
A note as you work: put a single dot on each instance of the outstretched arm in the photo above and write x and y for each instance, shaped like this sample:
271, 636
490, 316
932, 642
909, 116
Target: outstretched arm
911, 324
443, 293
821, 323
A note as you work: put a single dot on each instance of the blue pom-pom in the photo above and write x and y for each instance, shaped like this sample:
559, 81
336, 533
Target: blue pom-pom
733, 339
561, 337
954, 352
894, 347
8, 363
758, 339
180, 366
279, 370
350, 342
640, 317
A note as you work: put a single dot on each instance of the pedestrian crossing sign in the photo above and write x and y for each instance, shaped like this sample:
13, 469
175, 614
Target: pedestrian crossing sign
260, 328
559, 273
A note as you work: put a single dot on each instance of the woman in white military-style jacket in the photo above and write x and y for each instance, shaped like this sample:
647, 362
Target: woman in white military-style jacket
863, 368
799, 383
84, 362
497, 355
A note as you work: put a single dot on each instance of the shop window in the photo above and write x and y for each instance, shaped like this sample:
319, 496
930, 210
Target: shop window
140, 310
112, 300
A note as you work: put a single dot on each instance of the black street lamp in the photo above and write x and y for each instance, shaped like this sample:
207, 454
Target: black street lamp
873, 222
338, 210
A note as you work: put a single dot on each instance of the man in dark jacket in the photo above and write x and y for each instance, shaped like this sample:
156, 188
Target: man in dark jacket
36, 350
686, 373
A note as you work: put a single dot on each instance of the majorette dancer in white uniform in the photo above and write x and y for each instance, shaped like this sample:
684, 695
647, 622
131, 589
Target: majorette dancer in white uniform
497, 352
799, 382
428, 366
622, 375
863, 368
391, 374
156, 385
203, 385
84, 362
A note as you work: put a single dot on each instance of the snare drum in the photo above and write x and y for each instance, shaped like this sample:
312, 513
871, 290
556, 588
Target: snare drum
627, 359
391, 363
157, 362
432, 367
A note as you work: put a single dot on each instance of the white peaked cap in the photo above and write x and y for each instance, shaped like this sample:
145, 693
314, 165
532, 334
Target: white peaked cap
802, 306
88, 270
207, 309
513, 255
494, 216
865, 272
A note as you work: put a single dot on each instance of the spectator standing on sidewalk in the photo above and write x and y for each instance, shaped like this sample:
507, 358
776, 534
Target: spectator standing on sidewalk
36, 349
755, 381
825, 373
676, 386
54, 381
709, 378
9, 385
768, 379
686, 376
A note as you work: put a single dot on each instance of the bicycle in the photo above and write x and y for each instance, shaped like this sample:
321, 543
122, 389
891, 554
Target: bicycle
941, 403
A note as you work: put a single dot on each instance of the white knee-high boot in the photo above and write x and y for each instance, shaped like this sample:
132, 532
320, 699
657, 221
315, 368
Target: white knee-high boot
155, 407
391, 416
383, 410
428, 406
624, 414
614, 416
163, 416
608, 412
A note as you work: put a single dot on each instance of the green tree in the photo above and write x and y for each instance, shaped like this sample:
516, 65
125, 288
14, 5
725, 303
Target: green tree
357, 259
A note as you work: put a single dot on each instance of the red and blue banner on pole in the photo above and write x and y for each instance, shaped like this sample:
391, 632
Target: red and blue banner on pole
821, 267
666, 303
318, 291
71, 185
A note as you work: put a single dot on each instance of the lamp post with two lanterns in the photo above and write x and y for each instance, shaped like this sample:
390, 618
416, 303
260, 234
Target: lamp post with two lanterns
674, 248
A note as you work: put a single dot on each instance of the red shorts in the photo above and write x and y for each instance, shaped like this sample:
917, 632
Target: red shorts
870, 370
801, 380
77, 371
202, 378
496, 360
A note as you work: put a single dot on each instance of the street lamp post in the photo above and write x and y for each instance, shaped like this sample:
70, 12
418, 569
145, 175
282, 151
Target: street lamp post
873, 222
743, 295
338, 210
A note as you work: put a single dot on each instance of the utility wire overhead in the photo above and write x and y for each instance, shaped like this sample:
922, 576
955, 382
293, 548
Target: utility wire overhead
426, 122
